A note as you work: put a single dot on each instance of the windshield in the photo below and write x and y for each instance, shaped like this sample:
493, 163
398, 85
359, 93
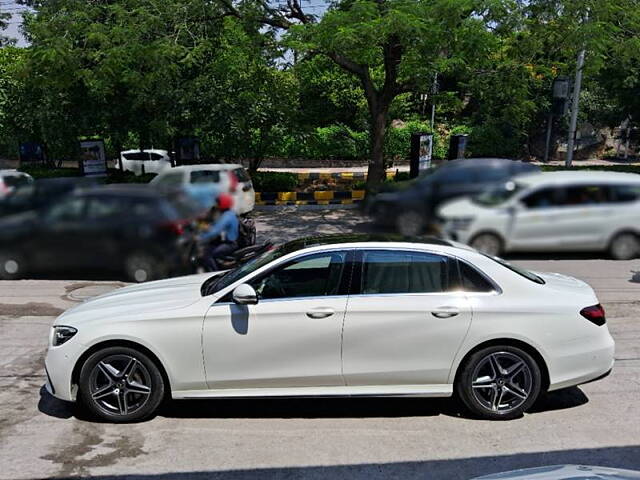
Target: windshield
519, 270
217, 283
497, 196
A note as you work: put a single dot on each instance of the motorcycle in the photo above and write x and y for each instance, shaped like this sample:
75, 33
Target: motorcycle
195, 251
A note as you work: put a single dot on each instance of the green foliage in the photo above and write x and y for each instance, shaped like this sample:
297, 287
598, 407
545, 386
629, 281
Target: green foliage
274, 181
113, 175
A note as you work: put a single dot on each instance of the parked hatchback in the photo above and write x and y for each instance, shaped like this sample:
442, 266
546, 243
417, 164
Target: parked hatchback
205, 182
411, 209
131, 228
552, 211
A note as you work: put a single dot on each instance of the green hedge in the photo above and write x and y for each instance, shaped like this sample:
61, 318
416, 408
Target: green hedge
113, 175
274, 181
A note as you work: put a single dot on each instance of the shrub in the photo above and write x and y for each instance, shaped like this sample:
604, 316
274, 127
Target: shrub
274, 181
113, 175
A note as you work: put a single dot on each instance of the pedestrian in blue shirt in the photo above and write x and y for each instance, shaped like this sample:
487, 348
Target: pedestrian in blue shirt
225, 230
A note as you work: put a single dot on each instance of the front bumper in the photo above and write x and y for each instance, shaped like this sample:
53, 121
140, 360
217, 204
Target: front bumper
58, 364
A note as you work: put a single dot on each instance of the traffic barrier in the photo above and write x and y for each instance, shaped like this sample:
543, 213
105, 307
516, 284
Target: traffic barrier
310, 198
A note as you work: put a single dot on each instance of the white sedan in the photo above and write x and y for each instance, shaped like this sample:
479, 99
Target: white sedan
336, 315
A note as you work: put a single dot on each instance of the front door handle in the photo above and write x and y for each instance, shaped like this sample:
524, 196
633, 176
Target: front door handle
445, 312
320, 312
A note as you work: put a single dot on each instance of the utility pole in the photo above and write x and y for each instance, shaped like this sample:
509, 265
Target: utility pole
434, 90
574, 108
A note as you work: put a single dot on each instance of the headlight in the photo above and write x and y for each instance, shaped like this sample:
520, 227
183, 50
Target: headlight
62, 334
460, 223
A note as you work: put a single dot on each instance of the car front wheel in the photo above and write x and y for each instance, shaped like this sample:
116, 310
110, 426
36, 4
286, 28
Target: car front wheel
499, 382
120, 384
624, 246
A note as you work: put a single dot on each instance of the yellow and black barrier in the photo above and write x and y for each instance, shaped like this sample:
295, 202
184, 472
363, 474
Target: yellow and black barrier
310, 198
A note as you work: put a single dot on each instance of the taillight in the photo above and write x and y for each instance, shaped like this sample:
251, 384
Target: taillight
177, 228
595, 314
233, 186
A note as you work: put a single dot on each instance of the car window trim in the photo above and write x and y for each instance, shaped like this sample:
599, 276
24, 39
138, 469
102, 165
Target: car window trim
497, 290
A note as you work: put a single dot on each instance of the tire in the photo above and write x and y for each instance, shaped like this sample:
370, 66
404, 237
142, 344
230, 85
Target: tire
410, 223
120, 384
624, 246
12, 266
487, 243
142, 267
490, 391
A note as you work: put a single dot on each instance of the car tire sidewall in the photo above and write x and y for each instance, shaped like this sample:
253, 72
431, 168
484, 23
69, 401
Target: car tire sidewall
410, 223
137, 262
10, 260
157, 386
464, 381
618, 238
494, 238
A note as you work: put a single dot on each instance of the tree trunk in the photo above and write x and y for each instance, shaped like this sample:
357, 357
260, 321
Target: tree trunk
376, 171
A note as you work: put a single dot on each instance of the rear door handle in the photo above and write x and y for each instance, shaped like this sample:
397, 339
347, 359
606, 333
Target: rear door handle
445, 312
320, 312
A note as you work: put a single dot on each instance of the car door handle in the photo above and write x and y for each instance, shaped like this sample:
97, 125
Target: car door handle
445, 312
320, 312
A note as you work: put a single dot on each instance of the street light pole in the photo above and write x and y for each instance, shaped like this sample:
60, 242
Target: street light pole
434, 90
574, 108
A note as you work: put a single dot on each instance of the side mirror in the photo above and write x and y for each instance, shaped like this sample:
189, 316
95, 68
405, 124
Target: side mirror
245, 295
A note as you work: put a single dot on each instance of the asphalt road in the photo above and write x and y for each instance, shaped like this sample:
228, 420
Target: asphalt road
41, 437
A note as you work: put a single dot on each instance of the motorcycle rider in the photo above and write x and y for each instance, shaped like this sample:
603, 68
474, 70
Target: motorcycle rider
226, 227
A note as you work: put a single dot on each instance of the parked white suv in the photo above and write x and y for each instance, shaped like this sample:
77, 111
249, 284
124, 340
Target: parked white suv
553, 211
11, 179
205, 182
145, 161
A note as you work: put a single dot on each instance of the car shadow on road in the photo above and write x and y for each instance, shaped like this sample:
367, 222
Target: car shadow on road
298, 408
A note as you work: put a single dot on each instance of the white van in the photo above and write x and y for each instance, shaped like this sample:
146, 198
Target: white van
207, 181
145, 161
552, 211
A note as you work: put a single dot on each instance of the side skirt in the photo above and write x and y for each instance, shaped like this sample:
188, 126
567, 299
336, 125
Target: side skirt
338, 391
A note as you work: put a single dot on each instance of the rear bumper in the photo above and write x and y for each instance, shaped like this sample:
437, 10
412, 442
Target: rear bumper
583, 361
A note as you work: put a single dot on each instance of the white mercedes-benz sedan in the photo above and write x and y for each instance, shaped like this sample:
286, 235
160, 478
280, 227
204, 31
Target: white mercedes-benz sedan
337, 315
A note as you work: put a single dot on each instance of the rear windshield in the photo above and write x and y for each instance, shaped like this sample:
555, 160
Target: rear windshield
519, 270
142, 156
205, 176
242, 175
16, 180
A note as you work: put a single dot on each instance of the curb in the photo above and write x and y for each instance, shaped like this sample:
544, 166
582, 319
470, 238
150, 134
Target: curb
305, 207
309, 198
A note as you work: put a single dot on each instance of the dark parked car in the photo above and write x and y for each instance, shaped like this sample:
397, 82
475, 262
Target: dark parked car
32, 196
411, 209
118, 227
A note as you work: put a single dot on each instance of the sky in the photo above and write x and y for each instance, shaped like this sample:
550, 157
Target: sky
13, 30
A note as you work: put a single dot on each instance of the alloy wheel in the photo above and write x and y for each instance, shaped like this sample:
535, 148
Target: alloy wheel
502, 382
120, 384
625, 246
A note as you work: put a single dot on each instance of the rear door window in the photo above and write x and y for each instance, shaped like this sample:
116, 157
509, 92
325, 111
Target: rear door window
388, 272
544, 198
472, 280
205, 176
583, 195
625, 193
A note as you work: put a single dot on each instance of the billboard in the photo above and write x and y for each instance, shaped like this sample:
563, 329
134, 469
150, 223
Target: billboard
93, 159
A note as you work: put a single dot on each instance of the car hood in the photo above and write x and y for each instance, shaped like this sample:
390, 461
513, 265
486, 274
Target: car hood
161, 295
564, 472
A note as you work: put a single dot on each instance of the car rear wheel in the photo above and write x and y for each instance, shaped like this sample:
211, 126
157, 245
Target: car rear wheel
410, 223
624, 246
12, 266
143, 267
499, 382
487, 243
120, 384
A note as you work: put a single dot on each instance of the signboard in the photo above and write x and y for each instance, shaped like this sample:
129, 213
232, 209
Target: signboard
426, 150
32, 152
421, 153
93, 159
187, 150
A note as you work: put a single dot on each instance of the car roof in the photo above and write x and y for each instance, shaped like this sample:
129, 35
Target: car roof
204, 166
149, 150
565, 177
357, 239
